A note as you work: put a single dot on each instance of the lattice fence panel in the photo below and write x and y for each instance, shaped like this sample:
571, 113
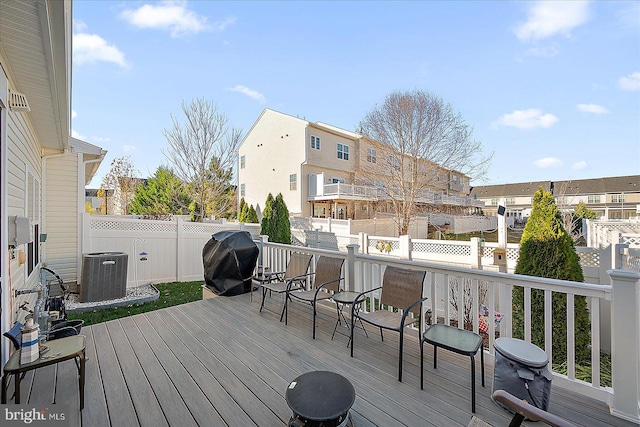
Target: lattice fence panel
442, 249
589, 259
155, 227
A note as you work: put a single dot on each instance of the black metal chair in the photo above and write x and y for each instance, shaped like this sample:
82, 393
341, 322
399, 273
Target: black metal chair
326, 280
293, 278
401, 289
524, 410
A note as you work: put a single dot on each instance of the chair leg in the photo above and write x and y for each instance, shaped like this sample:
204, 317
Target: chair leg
421, 365
284, 309
351, 338
313, 304
400, 353
264, 294
473, 384
482, 363
435, 356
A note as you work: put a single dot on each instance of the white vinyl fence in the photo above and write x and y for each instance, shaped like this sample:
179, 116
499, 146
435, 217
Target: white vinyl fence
159, 251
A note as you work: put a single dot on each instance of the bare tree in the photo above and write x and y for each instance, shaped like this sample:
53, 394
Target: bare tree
122, 180
420, 142
202, 145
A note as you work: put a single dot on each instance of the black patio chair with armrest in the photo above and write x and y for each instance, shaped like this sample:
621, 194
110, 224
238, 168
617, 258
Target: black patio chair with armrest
524, 410
326, 280
401, 289
294, 277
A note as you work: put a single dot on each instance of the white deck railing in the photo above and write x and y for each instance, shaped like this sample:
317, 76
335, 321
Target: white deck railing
363, 272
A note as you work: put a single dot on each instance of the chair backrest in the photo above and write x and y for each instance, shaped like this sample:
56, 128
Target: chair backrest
401, 287
298, 265
328, 270
14, 335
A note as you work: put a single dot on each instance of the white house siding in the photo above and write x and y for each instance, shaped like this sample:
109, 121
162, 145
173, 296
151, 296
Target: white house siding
61, 215
23, 156
273, 150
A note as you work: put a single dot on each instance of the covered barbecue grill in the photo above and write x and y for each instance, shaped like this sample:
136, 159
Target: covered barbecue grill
229, 259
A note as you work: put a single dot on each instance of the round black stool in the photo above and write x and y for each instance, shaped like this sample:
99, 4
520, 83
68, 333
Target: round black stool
320, 399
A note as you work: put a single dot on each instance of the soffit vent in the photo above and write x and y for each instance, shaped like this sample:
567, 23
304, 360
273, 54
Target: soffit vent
18, 102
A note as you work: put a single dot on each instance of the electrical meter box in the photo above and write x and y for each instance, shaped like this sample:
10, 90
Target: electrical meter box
19, 230
499, 256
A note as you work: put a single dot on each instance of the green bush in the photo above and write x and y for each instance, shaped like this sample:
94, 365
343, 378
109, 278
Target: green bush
275, 220
252, 216
547, 250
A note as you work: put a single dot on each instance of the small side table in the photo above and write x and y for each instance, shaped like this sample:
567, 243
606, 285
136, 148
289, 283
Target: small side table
262, 277
59, 350
341, 299
319, 399
459, 341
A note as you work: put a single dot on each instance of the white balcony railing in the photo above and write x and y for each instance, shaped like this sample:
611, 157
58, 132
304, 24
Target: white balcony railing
368, 193
364, 272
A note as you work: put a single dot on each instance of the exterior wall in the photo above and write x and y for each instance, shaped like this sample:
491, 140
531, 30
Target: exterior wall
327, 157
61, 214
23, 157
273, 150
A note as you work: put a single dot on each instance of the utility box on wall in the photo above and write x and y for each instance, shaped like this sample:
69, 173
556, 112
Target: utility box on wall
104, 276
19, 230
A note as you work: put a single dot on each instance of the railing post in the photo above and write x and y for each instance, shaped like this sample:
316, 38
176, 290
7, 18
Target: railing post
405, 247
616, 255
263, 261
625, 344
351, 266
476, 252
363, 238
180, 252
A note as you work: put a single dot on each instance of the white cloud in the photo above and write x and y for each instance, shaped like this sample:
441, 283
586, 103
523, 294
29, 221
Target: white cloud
224, 24
526, 119
249, 92
579, 165
100, 139
548, 162
128, 148
90, 48
173, 16
550, 18
630, 82
74, 114
592, 108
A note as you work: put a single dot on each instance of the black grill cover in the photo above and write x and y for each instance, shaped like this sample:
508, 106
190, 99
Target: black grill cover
229, 259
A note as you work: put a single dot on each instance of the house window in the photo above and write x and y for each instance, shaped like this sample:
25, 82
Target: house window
337, 181
455, 178
241, 190
617, 198
242, 162
593, 199
494, 202
510, 201
293, 181
371, 155
315, 142
393, 161
343, 152
33, 213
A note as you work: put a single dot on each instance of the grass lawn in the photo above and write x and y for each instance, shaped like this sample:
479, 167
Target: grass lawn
174, 293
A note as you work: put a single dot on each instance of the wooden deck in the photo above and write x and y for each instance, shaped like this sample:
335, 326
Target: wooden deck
219, 362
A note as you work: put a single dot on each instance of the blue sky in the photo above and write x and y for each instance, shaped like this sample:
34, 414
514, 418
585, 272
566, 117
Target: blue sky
553, 88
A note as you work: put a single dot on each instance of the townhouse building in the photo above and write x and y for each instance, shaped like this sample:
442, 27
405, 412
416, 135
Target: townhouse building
324, 171
616, 197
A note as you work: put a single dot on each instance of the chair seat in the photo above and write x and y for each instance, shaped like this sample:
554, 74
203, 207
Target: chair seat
386, 319
310, 295
279, 287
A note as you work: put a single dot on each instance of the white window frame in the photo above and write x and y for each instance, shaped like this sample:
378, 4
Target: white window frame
242, 190
342, 151
371, 155
33, 211
617, 198
314, 142
242, 162
594, 198
293, 182
337, 180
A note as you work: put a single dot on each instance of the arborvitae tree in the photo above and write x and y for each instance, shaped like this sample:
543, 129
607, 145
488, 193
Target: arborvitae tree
163, 195
240, 207
267, 218
243, 213
252, 216
282, 224
547, 250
